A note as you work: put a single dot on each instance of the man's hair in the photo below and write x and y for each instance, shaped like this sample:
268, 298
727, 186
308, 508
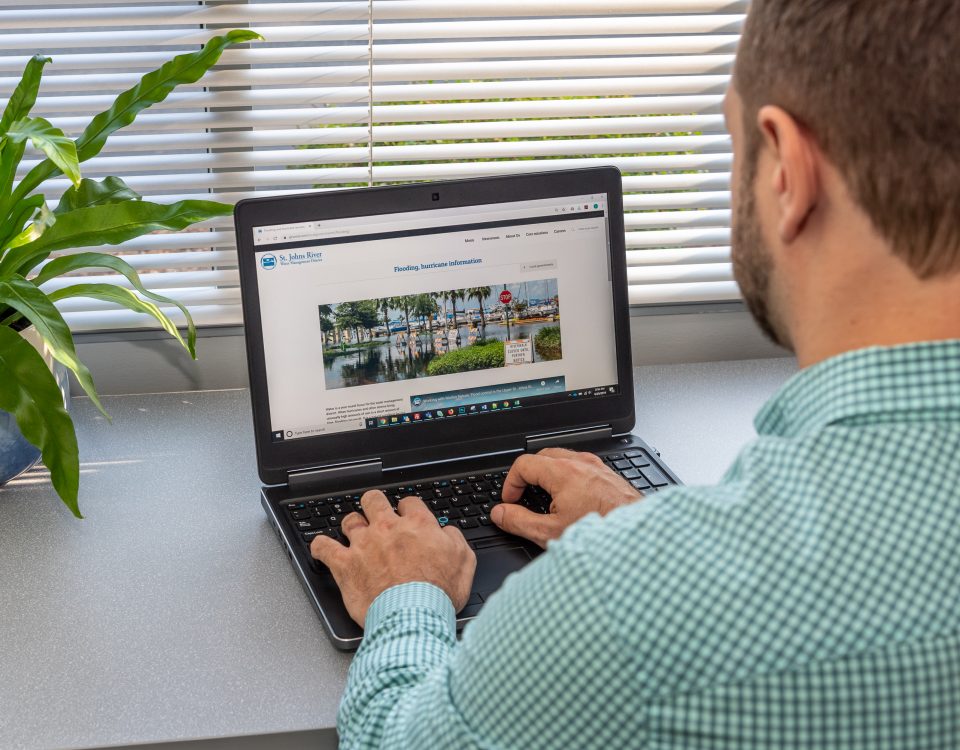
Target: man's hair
877, 83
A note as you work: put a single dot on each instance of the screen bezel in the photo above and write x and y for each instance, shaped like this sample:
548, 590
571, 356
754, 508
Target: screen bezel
444, 440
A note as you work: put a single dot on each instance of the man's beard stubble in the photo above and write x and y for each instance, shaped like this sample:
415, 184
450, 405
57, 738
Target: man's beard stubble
752, 264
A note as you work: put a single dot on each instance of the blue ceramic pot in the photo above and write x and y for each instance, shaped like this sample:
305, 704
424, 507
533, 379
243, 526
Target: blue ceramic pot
16, 453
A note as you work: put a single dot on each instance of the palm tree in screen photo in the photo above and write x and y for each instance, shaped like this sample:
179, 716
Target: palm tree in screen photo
480, 294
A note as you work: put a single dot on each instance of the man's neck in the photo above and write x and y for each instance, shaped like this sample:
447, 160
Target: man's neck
888, 312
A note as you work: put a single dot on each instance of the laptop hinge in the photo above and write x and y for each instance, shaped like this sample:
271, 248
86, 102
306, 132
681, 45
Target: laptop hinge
569, 438
366, 474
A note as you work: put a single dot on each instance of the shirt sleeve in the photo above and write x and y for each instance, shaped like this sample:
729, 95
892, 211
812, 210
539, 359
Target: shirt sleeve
541, 667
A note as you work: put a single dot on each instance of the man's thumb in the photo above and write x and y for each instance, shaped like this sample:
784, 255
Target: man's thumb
515, 519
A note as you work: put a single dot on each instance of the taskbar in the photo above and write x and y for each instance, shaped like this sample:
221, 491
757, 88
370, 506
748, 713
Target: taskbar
488, 407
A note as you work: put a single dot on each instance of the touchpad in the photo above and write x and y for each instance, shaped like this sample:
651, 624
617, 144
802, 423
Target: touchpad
495, 564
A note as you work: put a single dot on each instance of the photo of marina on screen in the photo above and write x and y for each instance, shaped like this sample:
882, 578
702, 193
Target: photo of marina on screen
445, 332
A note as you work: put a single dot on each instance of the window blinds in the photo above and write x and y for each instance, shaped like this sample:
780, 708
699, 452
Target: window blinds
357, 92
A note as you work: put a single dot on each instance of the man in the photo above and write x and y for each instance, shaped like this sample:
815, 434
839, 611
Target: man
812, 598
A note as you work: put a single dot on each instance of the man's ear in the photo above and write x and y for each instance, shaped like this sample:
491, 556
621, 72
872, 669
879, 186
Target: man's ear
796, 179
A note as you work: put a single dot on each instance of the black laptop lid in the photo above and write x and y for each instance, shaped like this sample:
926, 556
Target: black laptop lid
355, 351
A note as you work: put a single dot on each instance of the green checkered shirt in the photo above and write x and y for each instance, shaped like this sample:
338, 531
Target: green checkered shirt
810, 600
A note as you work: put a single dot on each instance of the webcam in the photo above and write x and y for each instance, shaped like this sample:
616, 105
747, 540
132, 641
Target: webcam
435, 196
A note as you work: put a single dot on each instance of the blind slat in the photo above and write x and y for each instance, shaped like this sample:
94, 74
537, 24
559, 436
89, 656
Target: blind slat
312, 76
329, 12
317, 96
541, 27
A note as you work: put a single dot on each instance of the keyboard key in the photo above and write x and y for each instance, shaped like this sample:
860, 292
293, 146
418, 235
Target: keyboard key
299, 515
334, 534
621, 464
655, 476
640, 484
309, 535
438, 504
460, 501
467, 523
313, 523
615, 457
630, 474
444, 492
639, 462
484, 520
322, 510
633, 453
471, 510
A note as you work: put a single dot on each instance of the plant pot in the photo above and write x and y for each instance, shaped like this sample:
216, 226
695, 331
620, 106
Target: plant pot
17, 455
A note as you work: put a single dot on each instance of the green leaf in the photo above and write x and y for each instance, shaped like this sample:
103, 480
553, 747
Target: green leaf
29, 391
92, 193
126, 298
108, 225
154, 87
34, 305
19, 105
25, 94
42, 221
50, 140
78, 261
18, 217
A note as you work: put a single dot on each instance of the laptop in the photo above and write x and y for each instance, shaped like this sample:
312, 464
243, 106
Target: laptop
418, 338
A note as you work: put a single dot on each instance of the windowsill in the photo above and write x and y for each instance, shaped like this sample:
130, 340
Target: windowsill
153, 363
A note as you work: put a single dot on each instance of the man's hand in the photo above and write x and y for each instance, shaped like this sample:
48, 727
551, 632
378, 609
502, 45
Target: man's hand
579, 483
387, 549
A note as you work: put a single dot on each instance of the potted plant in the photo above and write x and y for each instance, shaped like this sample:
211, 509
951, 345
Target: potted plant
89, 213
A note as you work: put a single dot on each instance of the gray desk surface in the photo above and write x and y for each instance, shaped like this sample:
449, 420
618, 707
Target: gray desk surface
171, 612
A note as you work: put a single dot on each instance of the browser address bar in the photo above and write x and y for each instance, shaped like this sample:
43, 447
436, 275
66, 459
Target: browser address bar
317, 230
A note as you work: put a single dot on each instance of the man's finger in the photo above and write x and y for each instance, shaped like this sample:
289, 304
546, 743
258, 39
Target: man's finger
558, 453
526, 470
331, 553
515, 519
413, 506
375, 505
579, 456
352, 523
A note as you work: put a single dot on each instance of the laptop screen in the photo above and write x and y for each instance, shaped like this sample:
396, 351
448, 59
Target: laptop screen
394, 321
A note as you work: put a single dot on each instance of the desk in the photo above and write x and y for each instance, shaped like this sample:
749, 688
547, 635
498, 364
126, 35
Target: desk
171, 612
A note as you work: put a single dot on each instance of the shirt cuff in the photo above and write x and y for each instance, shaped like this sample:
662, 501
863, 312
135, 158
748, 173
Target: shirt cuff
410, 596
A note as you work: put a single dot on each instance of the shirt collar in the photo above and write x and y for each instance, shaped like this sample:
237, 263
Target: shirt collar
879, 384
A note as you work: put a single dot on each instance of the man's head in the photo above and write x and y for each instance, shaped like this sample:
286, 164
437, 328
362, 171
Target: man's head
846, 123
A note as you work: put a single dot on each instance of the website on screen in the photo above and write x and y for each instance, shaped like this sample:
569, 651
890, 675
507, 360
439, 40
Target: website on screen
395, 320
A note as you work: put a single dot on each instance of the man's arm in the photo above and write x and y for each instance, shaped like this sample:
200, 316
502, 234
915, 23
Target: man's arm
541, 667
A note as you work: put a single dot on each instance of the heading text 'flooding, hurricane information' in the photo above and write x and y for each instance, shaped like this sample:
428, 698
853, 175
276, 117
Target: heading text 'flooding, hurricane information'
417, 267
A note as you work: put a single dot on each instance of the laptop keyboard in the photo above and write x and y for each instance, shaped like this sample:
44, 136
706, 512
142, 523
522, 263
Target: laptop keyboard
461, 501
